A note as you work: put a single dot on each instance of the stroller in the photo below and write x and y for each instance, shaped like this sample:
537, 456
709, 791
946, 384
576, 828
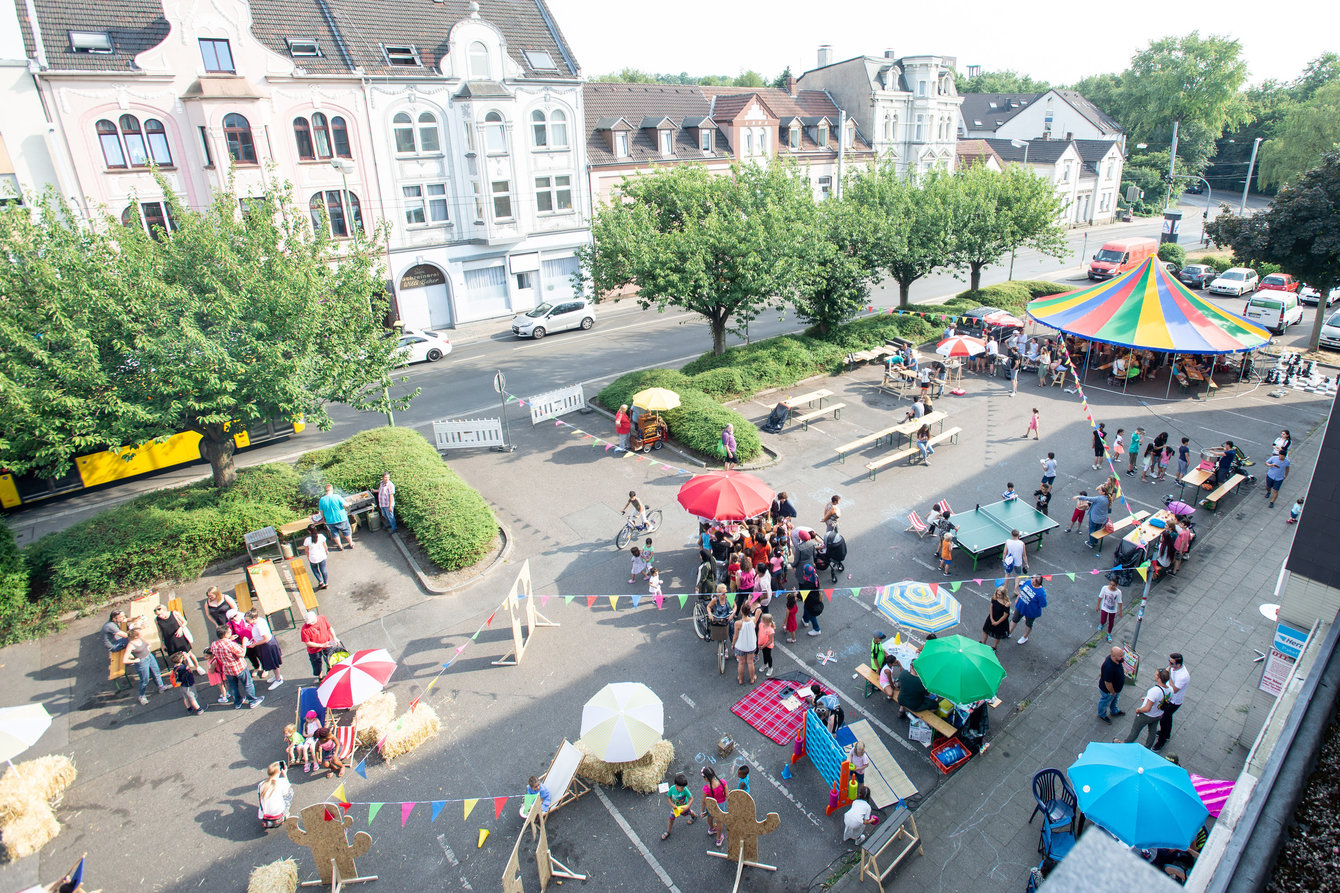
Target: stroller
1129, 556
776, 419
833, 555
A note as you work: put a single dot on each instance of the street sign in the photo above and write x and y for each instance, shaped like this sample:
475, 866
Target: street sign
499, 381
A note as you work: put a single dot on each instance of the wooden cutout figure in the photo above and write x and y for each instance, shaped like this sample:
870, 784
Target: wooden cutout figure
327, 841
742, 826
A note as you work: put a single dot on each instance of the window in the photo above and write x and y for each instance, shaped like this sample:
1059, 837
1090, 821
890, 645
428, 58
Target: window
429, 141
479, 62
793, 137
823, 134
488, 284
123, 143
540, 60
304, 47
749, 142
340, 134
409, 139
502, 200
402, 125
1065, 172
553, 194
478, 191
525, 281
237, 132
1047, 120
425, 204
1108, 173
495, 134
331, 205
919, 125
155, 218
302, 133
204, 144
849, 137
321, 135
888, 128
90, 42
401, 55
707, 140
621, 144
667, 141
540, 129
825, 187
921, 88
549, 131
217, 55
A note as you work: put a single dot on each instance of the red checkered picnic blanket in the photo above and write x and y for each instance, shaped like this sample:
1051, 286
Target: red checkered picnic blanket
762, 708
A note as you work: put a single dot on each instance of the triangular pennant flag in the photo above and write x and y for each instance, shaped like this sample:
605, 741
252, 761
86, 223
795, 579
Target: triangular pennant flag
470, 805
557, 424
339, 795
509, 399
1095, 571
362, 769
373, 809
856, 592
526, 803
1071, 576
591, 600
431, 683
567, 599
1143, 571
489, 622
327, 815
977, 580
405, 810
1047, 577
1000, 581
475, 637
659, 599
607, 447
614, 602
683, 599
461, 647
498, 804
544, 600
953, 587
345, 805
438, 806
934, 587
637, 598
828, 594
414, 704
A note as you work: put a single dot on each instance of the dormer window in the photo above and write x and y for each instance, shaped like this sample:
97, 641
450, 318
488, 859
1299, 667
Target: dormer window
401, 56
479, 62
217, 55
849, 138
539, 60
823, 134
90, 42
298, 48
793, 137
666, 139
707, 140
621, 144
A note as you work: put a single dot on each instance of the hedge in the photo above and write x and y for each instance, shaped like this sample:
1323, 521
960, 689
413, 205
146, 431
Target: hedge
698, 420
13, 578
452, 522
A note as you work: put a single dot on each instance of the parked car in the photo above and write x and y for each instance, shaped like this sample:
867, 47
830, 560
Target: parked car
548, 318
1276, 310
1279, 282
1310, 295
1330, 332
421, 347
1237, 281
1120, 255
1197, 275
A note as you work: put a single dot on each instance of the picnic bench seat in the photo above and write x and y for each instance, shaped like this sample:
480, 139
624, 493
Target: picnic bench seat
804, 420
870, 676
866, 356
305, 596
242, 595
792, 403
950, 435
866, 441
1211, 502
116, 669
1118, 527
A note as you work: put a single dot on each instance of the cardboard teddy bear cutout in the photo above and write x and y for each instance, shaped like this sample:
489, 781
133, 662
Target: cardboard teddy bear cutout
325, 826
742, 826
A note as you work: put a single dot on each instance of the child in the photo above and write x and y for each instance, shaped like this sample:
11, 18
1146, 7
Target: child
767, 633
325, 743
1032, 425
1081, 509
311, 724
184, 668
859, 762
1295, 511
1009, 493
946, 553
1133, 451
792, 610
297, 744
681, 802
1118, 444
1165, 458
1109, 607
742, 778
654, 584
1042, 497
639, 565
648, 553
536, 788
933, 519
1049, 469
714, 789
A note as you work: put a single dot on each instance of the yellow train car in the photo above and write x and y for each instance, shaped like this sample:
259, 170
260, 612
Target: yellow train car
111, 467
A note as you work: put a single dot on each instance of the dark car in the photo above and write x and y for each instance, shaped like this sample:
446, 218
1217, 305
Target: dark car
1197, 275
1196, 188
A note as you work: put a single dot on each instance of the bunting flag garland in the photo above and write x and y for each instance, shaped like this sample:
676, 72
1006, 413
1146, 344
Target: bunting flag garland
362, 767
438, 806
373, 809
339, 794
1109, 454
498, 805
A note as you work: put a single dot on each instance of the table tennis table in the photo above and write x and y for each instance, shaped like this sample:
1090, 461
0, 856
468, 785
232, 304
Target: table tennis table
985, 528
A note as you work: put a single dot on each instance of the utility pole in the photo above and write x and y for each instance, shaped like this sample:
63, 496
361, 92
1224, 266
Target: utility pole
1242, 208
1172, 165
842, 157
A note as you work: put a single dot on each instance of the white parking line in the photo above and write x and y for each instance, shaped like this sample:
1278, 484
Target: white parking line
637, 841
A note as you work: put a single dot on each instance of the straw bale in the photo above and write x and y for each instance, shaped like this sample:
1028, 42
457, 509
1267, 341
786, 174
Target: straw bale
374, 718
595, 769
644, 775
276, 877
411, 729
28, 831
34, 781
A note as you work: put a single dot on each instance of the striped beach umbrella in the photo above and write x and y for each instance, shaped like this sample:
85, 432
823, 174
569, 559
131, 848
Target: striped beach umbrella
920, 606
622, 722
356, 678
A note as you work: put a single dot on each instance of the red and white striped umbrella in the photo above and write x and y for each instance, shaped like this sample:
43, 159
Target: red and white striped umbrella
960, 346
1002, 318
355, 679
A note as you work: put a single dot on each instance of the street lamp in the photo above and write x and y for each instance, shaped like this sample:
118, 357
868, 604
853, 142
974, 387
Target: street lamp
345, 167
1242, 208
1018, 144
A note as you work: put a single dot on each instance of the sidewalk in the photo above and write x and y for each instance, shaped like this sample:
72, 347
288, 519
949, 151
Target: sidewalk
974, 826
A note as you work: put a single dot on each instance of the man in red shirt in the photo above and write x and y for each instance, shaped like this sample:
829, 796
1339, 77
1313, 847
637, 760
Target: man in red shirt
623, 426
320, 640
230, 657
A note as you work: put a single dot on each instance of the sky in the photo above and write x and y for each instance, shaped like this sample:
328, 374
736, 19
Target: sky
1058, 42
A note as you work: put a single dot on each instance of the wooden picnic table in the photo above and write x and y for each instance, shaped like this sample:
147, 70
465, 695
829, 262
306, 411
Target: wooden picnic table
142, 610
269, 589
1147, 532
1194, 478
808, 399
909, 428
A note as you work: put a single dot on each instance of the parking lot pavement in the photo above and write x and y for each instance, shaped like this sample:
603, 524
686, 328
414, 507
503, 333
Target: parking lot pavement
166, 801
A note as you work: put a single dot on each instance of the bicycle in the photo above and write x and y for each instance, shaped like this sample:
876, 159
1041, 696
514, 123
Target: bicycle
709, 629
631, 530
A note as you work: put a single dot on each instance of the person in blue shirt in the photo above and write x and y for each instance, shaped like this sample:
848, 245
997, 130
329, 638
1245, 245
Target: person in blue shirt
337, 519
537, 788
742, 775
1028, 606
1009, 493
837, 717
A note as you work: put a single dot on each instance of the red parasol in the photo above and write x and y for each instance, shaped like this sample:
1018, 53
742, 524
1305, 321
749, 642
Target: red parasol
1001, 318
725, 496
960, 346
356, 678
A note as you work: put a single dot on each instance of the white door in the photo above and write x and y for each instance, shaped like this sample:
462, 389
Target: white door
423, 298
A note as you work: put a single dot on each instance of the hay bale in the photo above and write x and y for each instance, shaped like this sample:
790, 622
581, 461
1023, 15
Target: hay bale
28, 831
374, 718
34, 781
277, 877
411, 729
595, 769
644, 775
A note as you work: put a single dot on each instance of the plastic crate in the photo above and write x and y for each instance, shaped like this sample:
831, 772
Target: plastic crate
949, 754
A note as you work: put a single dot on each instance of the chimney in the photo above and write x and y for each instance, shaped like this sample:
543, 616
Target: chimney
890, 54
825, 54
790, 85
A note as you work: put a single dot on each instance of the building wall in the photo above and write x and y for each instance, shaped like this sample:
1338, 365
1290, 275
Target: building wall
24, 126
1031, 122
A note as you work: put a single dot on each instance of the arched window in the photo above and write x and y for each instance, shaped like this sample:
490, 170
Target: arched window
329, 209
479, 62
888, 128
153, 217
558, 129
540, 128
429, 140
321, 135
158, 142
237, 133
110, 140
136, 153
339, 133
495, 134
303, 134
124, 143
749, 142
402, 125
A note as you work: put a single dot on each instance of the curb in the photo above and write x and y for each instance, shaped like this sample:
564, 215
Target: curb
503, 554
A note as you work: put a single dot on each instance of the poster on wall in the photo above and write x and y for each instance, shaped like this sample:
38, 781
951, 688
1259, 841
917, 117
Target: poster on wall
1284, 651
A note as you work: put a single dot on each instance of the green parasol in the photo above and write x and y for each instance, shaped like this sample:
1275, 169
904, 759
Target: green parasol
959, 669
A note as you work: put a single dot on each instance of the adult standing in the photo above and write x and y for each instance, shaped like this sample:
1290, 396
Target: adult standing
320, 640
623, 426
1015, 557
1147, 715
835, 551
707, 573
1111, 680
728, 447
1283, 442
246, 637
997, 623
337, 519
172, 630
113, 636
814, 599
1277, 469
143, 661
1099, 508
1099, 445
266, 648
1032, 598
1014, 361
217, 606
746, 642
1183, 458
782, 508
832, 512
386, 501
1224, 466
1179, 677
229, 656
806, 547
314, 547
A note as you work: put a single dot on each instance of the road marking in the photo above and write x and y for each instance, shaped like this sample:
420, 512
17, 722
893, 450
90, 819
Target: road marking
452, 860
777, 783
637, 841
686, 700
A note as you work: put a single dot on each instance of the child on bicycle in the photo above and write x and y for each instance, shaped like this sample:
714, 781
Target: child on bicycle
639, 511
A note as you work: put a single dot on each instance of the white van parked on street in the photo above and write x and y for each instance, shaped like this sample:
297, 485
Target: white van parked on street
1276, 310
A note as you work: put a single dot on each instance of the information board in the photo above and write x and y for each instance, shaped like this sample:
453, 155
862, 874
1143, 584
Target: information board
1284, 651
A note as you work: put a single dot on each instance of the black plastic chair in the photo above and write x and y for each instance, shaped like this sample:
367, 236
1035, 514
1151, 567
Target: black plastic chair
1055, 798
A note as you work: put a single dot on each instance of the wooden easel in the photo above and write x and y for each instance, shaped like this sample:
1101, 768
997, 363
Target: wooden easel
521, 586
894, 829
545, 863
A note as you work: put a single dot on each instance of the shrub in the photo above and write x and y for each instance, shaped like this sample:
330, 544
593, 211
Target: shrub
1171, 251
451, 521
698, 421
1012, 296
1220, 262
722, 382
13, 577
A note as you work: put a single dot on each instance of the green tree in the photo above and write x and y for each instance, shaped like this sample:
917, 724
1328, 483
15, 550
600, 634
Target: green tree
838, 264
627, 76
1000, 211
718, 246
1104, 91
1300, 232
913, 221
1145, 171
1001, 82
780, 81
748, 78
113, 337
1308, 131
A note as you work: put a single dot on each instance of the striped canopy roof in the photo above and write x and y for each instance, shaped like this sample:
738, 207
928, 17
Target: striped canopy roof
1147, 308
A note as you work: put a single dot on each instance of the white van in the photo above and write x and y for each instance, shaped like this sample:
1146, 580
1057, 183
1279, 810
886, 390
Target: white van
1275, 310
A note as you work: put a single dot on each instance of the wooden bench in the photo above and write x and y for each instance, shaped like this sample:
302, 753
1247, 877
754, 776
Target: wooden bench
898, 834
804, 420
242, 595
116, 669
305, 596
950, 435
866, 441
935, 721
1211, 502
1118, 527
871, 678
866, 356
808, 399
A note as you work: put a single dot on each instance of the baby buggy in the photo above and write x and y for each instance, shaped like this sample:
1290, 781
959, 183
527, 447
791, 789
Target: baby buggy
1129, 556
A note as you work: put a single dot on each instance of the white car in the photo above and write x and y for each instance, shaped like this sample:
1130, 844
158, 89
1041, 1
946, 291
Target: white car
422, 347
1310, 295
548, 318
1237, 281
1330, 332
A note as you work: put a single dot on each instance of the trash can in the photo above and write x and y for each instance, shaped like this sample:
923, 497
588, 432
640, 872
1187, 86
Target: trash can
1172, 225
